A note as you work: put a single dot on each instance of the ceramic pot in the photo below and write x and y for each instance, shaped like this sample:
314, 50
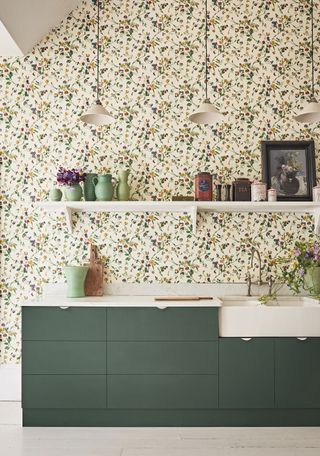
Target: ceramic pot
123, 189
55, 194
312, 281
73, 192
103, 187
75, 276
88, 187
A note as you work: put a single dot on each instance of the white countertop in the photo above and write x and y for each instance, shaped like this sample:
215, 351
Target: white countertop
116, 301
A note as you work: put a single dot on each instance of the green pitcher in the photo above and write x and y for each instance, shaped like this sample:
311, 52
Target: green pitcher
123, 189
103, 187
88, 187
75, 276
312, 281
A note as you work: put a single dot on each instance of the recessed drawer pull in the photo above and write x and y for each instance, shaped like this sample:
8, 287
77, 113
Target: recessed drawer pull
64, 307
246, 339
302, 338
162, 307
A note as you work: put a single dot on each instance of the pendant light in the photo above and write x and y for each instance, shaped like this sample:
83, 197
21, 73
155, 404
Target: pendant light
97, 114
311, 111
206, 114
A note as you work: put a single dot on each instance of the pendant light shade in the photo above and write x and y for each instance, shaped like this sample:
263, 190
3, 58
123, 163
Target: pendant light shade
311, 111
207, 114
97, 114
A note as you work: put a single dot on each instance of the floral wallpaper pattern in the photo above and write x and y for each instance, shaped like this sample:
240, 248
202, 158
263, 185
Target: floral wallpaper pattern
152, 76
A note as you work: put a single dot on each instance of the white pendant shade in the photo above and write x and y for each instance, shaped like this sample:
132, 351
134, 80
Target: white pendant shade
207, 114
310, 113
97, 115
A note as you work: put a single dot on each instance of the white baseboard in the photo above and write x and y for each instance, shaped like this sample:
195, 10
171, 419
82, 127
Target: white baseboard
10, 382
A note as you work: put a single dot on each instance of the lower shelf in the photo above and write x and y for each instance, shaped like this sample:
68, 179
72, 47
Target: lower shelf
165, 418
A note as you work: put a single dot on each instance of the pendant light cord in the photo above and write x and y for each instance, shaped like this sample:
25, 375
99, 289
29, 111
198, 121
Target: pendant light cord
98, 53
312, 56
206, 49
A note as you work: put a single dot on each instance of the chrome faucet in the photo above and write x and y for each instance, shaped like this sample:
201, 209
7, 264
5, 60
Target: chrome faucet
254, 252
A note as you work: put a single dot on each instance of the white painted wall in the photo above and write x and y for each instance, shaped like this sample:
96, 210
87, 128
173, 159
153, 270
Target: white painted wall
10, 382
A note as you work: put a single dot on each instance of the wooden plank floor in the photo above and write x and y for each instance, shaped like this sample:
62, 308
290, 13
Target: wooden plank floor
16, 441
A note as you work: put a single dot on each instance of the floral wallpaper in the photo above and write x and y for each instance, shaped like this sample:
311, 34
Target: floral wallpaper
152, 76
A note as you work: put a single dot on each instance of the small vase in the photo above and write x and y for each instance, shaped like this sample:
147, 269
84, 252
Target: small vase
55, 194
123, 189
88, 187
73, 192
312, 281
103, 187
75, 276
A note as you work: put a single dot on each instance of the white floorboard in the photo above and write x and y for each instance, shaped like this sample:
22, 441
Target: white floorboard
16, 441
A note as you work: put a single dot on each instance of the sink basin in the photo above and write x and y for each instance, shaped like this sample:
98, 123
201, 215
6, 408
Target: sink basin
289, 316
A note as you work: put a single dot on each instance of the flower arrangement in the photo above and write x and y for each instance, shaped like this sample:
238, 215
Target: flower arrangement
70, 176
304, 258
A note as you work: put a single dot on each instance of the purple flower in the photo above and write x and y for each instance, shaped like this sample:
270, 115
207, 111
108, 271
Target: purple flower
297, 252
301, 272
308, 255
70, 176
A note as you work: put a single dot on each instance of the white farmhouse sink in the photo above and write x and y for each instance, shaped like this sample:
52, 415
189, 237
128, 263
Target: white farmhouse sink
289, 316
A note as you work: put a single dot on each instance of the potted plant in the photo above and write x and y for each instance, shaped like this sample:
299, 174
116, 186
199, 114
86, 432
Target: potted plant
303, 268
70, 179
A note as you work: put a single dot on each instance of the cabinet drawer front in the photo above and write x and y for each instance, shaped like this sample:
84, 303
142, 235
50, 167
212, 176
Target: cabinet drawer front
74, 323
162, 391
297, 373
162, 357
54, 357
64, 391
246, 373
168, 324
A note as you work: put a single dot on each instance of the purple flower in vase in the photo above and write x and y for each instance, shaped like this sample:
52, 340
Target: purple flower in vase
297, 252
301, 272
70, 176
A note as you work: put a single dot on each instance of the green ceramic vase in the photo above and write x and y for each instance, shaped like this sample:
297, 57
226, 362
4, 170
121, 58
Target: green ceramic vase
312, 281
55, 194
123, 189
73, 192
88, 187
103, 187
76, 276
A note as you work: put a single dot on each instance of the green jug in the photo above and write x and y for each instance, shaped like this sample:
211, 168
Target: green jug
88, 187
103, 187
123, 189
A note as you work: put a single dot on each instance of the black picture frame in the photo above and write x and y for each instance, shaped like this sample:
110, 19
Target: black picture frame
289, 166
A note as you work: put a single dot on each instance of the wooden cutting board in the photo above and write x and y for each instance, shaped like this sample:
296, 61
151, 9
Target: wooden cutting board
94, 279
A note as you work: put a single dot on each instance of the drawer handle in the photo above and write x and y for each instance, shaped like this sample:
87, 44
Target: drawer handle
246, 339
64, 307
302, 338
161, 307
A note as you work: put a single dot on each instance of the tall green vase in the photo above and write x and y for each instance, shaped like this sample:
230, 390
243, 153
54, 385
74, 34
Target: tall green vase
312, 281
75, 276
88, 187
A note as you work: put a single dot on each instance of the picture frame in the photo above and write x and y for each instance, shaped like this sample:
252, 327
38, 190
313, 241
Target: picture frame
289, 167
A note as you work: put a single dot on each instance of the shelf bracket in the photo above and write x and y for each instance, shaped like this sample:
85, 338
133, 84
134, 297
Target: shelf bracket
316, 219
193, 216
68, 215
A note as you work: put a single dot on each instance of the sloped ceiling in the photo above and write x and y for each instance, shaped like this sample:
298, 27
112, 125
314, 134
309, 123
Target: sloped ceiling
25, 22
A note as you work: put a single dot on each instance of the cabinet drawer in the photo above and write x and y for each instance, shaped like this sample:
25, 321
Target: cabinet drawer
54, 357
162, 357
53, 323
162, 391
64, 391
168, 324
246, 373
297, 373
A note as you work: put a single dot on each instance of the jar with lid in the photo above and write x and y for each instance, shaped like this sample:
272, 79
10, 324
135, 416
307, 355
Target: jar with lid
258, 191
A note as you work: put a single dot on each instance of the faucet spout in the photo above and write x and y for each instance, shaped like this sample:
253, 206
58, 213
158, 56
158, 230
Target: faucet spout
255, 252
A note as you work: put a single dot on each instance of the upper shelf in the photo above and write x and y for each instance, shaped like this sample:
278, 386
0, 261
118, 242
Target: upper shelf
190, 207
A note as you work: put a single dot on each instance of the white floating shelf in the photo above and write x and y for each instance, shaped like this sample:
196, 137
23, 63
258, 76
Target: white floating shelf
190, 207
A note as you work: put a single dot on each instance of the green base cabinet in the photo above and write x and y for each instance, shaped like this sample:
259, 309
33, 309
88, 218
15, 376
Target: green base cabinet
151, 367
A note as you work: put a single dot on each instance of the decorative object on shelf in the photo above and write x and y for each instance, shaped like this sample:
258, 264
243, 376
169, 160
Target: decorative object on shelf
289, 167
258, 191
70, 179
55, 194
182, 198
311, 110
206, 114
104, 187
218, 192
94, 279
97, 114
272, 195
226, 192
316, 193
301, 268
123, 189
241, 189
88, 187
203, 187
75, 276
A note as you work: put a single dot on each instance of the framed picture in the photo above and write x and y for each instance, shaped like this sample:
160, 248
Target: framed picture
289, 167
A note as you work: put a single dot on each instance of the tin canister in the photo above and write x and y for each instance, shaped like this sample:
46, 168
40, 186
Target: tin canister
258, 191
316, 193
272, 194
203, 187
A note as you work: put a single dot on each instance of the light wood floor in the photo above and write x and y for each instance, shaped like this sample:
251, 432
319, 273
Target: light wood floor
16, 441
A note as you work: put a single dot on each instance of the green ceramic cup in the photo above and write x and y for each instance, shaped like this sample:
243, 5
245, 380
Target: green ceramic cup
76, 276
312, 281
55, 194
